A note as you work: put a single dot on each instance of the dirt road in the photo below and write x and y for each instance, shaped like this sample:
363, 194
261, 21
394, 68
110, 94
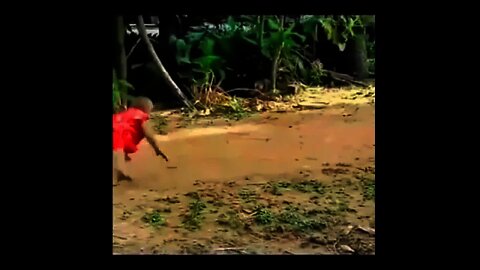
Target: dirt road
238, 164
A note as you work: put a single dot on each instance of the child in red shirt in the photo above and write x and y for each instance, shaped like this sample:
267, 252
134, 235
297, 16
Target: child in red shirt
129, 128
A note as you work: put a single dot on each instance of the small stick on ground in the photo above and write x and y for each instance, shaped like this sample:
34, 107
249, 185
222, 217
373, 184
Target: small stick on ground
229, 248
120, 237
237, 249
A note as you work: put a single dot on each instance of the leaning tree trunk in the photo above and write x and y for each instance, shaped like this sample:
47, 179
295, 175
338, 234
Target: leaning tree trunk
120, 58
177, 91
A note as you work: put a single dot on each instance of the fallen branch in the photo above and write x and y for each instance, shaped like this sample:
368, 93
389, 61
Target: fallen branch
344, 78
368, 230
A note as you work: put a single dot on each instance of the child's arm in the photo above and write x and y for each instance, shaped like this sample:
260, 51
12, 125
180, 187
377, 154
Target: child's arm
149, 135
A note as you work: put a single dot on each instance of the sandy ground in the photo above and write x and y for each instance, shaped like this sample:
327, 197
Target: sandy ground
219, 160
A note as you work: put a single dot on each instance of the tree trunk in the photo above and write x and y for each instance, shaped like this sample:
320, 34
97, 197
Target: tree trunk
359, 56
277, 59
173, 86
261, 20
120, 58
275, 68
315, 40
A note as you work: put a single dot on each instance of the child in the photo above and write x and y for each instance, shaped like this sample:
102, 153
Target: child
129, 128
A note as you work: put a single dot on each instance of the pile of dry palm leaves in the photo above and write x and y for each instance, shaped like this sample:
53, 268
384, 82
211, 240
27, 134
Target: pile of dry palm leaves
214, 100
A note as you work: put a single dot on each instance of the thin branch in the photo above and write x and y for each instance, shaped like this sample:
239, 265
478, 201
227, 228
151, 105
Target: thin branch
133, 48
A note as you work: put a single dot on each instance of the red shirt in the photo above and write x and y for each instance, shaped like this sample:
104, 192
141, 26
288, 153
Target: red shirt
127, 129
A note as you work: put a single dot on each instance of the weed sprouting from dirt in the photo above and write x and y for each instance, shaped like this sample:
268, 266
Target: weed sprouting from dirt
263, 216
367, 180
276, 188
342, 206
197, 206
368, 189
247, 195
310, 186
154, 219
338, 207
193, 219
233, 109
236, 109
298, 222
288, 220
230, 219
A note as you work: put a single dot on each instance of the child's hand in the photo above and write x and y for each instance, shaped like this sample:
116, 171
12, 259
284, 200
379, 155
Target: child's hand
160, 153
164, 156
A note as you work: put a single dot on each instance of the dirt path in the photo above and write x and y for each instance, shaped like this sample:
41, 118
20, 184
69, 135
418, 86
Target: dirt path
223, 160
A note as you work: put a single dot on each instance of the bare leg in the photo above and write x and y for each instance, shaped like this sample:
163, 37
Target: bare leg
119, 168
114, 168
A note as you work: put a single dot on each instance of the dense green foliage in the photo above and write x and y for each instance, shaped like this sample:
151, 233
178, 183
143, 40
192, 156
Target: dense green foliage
235, 51
276, 43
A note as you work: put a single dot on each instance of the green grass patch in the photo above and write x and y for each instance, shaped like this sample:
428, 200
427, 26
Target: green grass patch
234, 110
263, 216
247, 195
298, 222
230, 219
338, 207
193, 219
289, 219
276, 188
311, 186
368, 186
154, 219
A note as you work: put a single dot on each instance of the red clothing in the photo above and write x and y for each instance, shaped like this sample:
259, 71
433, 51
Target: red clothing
127, 129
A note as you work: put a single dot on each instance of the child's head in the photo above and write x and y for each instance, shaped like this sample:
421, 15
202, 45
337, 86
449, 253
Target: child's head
143, 103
